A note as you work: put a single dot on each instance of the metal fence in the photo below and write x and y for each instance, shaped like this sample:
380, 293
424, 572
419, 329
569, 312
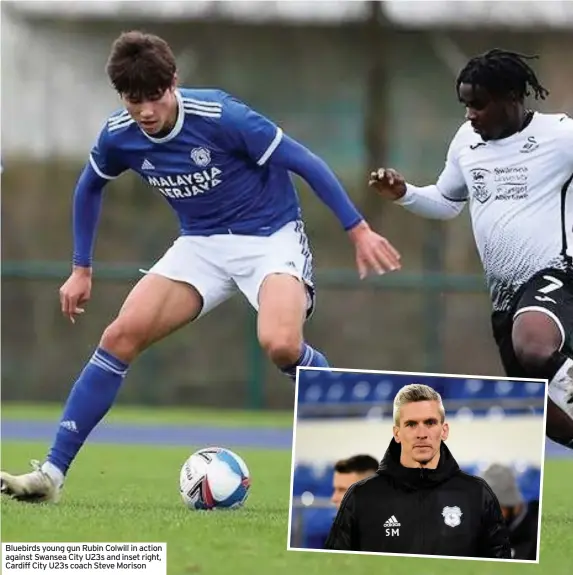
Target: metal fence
406, 321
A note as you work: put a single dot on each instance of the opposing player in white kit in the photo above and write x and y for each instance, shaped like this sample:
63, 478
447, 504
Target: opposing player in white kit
514, 167
224, 169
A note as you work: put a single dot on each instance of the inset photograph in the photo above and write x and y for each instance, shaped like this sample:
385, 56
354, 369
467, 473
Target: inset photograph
402, 463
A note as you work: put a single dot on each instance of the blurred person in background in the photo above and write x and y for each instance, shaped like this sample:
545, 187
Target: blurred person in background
419, 501
349, 471
522, 517
225, 171
346, 472
515, 168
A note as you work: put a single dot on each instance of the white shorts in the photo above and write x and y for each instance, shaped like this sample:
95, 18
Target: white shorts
221, 265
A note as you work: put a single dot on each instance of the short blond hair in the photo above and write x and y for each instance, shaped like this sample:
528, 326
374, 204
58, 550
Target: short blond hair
413, 393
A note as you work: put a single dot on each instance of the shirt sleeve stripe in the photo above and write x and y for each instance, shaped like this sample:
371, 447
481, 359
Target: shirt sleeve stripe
98, 171
455, 199
274, 144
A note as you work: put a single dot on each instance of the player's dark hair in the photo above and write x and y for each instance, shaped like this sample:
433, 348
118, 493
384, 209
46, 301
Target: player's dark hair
502, 72
356, 464
141, 66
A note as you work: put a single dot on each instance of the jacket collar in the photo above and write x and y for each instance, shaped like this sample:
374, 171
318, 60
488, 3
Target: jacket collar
417, 478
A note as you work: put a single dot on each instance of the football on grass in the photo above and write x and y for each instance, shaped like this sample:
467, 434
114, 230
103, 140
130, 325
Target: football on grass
214, 478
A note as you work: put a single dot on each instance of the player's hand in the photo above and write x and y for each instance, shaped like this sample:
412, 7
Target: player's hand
388, 183
373, 252
75, 292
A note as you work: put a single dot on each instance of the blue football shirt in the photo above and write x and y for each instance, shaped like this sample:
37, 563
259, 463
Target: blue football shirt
213, 167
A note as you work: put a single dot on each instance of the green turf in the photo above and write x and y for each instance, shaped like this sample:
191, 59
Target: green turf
118, 493
163, 416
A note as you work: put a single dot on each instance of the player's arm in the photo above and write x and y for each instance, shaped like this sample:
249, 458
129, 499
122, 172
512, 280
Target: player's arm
265, 143
565, 135
247, 131
372, 251
343, 536
296, 158
87, 201
443, 200
494, 536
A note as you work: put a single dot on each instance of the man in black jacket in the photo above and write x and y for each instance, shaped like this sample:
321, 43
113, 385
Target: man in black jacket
521, 517
419, 501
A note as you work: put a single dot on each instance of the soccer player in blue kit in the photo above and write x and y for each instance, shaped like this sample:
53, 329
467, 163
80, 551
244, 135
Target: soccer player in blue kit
224, 169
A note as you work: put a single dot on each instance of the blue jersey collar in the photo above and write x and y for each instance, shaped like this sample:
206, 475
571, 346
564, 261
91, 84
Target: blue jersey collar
178, 124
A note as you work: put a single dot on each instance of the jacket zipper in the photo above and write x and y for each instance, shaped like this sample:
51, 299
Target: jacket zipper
421, 517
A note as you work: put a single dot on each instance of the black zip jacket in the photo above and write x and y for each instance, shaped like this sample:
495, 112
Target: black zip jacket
523, 533
441, 511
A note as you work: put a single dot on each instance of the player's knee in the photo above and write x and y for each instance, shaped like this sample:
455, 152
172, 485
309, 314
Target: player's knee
534, 358
535, 339
533, 353
282, 347
122, 340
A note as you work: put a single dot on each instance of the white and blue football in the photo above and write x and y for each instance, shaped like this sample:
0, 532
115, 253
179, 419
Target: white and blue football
214, 478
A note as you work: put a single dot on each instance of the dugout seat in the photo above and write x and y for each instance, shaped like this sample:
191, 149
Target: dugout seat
313, 479
529, 481
303, 480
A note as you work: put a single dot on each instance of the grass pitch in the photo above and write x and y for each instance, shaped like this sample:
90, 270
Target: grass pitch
130, 494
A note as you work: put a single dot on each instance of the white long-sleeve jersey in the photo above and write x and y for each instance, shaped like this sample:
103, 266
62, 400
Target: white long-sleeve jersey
520, 195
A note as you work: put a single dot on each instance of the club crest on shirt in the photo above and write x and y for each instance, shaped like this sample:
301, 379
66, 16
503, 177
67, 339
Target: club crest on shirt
452, 516
529, 146
479, 185
201, 156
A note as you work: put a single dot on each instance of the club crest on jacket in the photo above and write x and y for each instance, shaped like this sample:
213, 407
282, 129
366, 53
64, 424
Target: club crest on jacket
452, 516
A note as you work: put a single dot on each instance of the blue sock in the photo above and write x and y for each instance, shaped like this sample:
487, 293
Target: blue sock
90, 399
309, 357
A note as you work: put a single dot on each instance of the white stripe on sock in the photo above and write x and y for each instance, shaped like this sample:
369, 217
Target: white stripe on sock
108, 362
95, 360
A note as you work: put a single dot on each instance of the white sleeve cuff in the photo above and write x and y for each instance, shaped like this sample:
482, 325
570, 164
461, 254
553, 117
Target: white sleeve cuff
407, 197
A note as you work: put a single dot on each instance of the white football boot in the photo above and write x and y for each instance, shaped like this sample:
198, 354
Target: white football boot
34, 487
561, 388
569, 398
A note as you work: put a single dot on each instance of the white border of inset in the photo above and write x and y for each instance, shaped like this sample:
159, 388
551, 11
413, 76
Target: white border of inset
421, 374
